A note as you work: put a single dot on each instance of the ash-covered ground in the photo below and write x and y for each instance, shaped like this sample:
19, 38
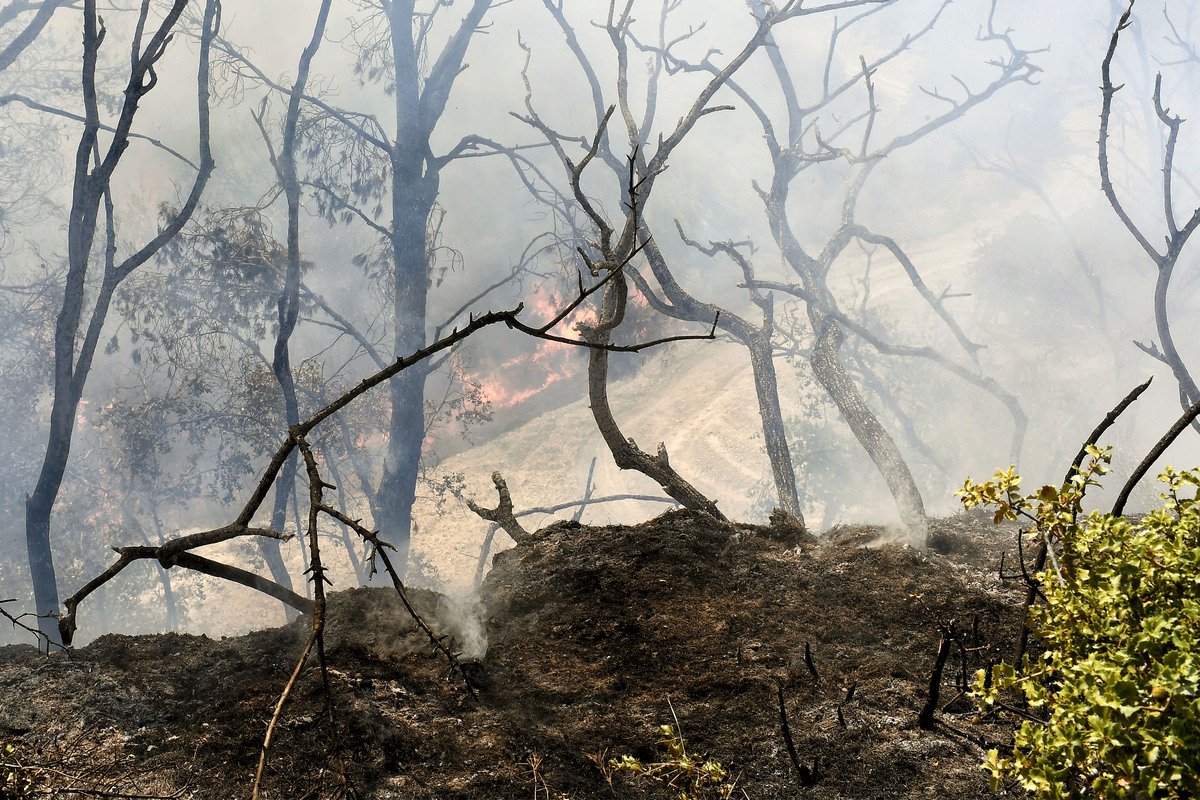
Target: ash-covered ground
596, 637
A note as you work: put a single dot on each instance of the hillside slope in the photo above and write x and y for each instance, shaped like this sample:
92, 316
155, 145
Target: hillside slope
695, 397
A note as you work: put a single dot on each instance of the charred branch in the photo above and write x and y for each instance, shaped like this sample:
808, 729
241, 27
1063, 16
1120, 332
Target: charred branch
44, 643
502, 514
128, 555
316, 487
925, 719
177, 551
808, 777
1159, 448
379, 551
1104, 425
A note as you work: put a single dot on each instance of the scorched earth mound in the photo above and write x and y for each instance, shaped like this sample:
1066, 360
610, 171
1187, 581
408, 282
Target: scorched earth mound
596, 637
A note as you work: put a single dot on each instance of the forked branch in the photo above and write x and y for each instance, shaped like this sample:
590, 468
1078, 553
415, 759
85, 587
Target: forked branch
1177, 236
502, 514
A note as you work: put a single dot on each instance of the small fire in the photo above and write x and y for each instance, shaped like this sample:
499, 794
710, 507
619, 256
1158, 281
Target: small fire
525, 376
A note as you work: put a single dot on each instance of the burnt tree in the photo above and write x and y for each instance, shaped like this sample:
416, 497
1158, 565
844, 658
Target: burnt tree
288, 304
357, 163
793, 147
94, 169
649, 158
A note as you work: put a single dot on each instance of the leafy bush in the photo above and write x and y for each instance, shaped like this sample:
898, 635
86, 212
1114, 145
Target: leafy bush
1118, 680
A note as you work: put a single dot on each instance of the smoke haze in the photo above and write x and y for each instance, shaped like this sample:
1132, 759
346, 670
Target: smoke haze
999, 210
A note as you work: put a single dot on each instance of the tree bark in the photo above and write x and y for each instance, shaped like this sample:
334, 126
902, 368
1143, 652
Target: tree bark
757, 341
626, 453
766, 389
867, 429
289, 303
415, 185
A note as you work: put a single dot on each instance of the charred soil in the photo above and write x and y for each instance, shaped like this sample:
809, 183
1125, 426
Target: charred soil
596, 637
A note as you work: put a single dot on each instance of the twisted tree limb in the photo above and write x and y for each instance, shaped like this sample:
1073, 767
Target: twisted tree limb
502, 514
626, 453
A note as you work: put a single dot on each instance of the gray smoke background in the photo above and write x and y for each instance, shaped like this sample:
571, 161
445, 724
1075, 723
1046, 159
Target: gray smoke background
1000, 211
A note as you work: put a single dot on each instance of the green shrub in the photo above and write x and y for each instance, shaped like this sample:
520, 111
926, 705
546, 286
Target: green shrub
1118, 680
691, 777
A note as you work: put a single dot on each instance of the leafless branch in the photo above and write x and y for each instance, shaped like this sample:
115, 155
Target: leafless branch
1177, 236
1159, 448
58, 112
502, 514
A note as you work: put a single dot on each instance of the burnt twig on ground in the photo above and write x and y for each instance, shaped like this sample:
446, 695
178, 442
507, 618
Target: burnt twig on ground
808, 662
925, 720
808, 777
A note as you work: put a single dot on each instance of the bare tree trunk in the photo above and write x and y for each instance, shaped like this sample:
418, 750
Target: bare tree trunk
415, 184
413, 194
756, 339
626, 453
831, 373
766, 389
41, 560
289, 301
867, 429
164, 575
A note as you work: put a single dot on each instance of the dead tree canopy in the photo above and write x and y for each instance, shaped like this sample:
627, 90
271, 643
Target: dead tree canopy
1176, 234
820, 125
